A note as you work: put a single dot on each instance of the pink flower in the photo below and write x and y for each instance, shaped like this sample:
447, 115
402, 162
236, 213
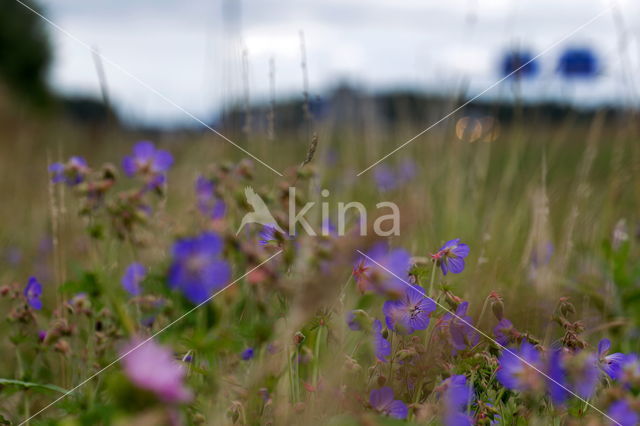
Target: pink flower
152, 367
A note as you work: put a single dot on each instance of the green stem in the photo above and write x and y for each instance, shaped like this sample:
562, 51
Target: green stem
21, 377
433, 278
316, 355
484, 308
292, 385
296, 375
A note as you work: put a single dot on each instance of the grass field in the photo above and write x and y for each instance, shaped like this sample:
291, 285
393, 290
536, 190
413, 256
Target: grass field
548, 210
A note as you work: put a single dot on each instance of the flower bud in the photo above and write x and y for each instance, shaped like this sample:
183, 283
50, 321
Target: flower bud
298, 338
62, 346
566, 307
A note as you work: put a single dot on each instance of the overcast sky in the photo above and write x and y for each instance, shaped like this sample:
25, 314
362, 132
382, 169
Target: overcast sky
191, 50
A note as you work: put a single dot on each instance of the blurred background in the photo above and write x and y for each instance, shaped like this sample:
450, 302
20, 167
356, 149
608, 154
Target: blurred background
212, 57
539, 170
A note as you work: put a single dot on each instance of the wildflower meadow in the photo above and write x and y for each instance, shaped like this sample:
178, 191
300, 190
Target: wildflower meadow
486, 273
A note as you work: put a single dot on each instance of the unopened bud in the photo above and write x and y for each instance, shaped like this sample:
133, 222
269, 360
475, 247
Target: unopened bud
298, 338
566, 307
497, 307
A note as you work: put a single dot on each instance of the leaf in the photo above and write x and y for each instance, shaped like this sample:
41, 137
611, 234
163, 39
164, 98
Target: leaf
30, 385
87, 283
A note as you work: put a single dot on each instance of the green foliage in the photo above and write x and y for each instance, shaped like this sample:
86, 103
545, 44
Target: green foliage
30, 385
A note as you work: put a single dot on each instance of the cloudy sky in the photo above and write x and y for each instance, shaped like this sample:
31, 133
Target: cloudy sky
191, 50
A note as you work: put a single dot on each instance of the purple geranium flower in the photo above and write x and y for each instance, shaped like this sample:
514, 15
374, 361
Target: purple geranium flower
208, 204
389, 178
247, 354
382, 401
152, 367
32, 292
456, 395
385, 178
455, 392
630, 370
197, 269
268, 235
381, 345
459, 328
132, 277
451, 256
504, 332
579, 373
409, 313
388, 279
623, 414
352, 321
72, 173
610, 364
516, 371
148, 161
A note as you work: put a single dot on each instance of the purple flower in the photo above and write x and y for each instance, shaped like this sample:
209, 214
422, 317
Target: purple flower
610, 364
352, 321
516, 371
578, 62
72, 173
196, 269
630, 371
556, 371
132, 277
152, 367
409, 313
247, 354
451, 256
208, 204
407, 170
504, 332
32, 292
579, 373
623, 414
388, 178
388, 279
148, 161
381, 345
513, 64
458, 419
385, 178
455, 393
267, 235
459, 328
382, 401
328, 228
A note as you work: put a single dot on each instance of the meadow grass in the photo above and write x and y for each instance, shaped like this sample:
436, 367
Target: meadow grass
548, 209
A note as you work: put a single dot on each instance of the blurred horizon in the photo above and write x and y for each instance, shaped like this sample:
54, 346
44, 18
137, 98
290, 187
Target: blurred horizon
193, 53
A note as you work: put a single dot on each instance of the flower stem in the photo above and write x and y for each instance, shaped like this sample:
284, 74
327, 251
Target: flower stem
316, 356
433, 278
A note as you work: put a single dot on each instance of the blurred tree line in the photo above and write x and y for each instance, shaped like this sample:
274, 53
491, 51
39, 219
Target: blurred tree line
25, 53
